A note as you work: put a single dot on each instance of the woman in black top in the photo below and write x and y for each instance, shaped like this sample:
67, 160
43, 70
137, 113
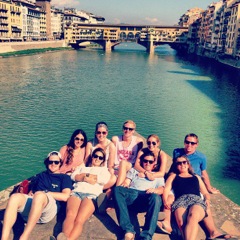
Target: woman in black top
189, 207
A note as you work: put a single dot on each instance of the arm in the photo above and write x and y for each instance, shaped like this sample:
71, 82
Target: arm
206, 180
139, 143
204, 191
87, 151
61, 196
111, 158
167, 189
114, 140
163, 164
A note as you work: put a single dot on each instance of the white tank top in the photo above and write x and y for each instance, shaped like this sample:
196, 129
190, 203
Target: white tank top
128, 153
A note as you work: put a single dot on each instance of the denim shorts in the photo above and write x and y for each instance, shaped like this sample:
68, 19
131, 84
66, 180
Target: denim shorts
48, 213
84, 195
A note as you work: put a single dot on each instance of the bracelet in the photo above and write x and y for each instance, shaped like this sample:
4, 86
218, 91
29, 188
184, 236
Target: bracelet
87, 175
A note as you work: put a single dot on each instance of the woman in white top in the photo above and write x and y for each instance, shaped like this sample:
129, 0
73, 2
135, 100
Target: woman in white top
101, 141
89, 182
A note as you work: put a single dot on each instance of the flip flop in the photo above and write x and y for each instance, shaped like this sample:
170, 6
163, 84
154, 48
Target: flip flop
162, 229
223, 237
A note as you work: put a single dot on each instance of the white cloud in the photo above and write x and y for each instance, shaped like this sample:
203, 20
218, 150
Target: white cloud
65, 3
153, 20
116, 21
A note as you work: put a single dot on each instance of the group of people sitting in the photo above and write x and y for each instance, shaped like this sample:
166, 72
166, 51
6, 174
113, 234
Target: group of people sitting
87, 174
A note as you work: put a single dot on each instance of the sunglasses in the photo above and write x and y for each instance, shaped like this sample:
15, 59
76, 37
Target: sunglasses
153, 143
79, 139
188, 142
129, 129
53, 162
148, 161
96, 156
181, 163
103, 133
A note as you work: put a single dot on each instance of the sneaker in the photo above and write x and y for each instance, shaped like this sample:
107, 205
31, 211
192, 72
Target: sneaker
52, 238
61, 236
102, 203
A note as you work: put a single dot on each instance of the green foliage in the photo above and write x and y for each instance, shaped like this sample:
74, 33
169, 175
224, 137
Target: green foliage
32, 51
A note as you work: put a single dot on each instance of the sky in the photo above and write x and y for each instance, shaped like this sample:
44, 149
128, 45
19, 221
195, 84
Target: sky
157, 12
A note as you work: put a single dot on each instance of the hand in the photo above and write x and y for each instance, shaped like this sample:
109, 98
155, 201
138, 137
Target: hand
126, 183
149, 176
141, 175
30, 193
151, 190
208, 202
167, 204
213, 190
91, 179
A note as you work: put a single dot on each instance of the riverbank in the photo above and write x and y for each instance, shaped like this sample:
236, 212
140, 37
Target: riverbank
32, 52
11, 47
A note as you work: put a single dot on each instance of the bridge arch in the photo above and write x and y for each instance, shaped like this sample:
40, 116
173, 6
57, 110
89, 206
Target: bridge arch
123, 36
130, 36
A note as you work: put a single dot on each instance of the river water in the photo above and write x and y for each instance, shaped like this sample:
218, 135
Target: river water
45, 97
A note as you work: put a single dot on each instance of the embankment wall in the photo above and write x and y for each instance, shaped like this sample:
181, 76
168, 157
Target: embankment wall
18, 46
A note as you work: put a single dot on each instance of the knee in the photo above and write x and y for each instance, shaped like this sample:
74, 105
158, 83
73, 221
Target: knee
39, 196
79, 222
193, 217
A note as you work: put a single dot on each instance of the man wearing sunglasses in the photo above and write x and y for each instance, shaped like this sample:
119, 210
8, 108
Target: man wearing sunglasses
43, 202
127, 147
139, 194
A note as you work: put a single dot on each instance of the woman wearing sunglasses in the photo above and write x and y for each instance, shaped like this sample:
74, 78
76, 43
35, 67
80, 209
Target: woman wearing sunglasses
189, 208
101, 141
74, 152
153, 145
89, 182
43, 203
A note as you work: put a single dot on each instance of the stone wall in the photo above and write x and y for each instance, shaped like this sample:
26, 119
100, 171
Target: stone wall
18, 46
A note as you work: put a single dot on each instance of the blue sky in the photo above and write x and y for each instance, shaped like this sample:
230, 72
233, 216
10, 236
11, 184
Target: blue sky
159, 12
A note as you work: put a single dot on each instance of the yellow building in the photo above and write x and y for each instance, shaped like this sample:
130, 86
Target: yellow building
10, 21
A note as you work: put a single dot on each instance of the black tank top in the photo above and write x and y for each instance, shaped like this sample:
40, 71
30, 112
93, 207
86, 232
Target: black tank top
183, 186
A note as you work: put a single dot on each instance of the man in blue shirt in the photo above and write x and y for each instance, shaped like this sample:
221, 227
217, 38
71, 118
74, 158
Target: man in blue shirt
197, 159
142, 193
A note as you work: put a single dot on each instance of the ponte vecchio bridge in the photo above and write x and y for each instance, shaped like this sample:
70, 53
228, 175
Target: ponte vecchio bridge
110, 35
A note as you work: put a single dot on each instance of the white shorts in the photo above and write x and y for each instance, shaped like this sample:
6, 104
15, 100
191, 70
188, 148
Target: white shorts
48, 213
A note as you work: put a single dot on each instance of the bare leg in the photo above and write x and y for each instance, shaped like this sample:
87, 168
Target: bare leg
73, 205
210, 225
181, 218
124, 167
167, 221
39, 202
111, 182
195, 215
85, 210
15, 202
